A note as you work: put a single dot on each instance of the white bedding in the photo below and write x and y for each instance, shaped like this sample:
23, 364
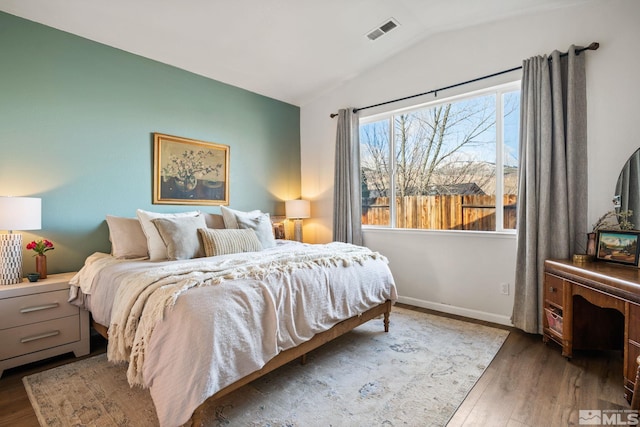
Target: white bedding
224, 317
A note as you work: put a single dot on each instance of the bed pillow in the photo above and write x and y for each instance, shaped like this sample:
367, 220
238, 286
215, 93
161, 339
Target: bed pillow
180, 236
127, 238
213, 220
262, 226
155, 245
230, 216
224, 242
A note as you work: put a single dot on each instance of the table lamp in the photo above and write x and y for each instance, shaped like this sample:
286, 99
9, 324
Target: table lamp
297, 210
16, 213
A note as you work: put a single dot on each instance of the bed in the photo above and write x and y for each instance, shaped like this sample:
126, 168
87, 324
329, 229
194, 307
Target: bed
196, 328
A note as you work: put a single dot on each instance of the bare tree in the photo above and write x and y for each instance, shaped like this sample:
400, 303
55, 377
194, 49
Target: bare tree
441, 145
374, 157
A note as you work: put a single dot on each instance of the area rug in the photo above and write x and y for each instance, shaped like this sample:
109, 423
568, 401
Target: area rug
417, 374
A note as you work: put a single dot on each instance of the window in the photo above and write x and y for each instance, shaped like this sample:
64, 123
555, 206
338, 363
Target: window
447, 165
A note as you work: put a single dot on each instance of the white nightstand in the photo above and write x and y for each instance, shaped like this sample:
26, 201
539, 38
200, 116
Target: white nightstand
37, 322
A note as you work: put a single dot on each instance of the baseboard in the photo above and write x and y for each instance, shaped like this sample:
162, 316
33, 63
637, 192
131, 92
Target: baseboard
459, 311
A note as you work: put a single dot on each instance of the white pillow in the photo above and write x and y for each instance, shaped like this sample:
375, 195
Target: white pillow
230, 216
262, 226
155, 245
213, 220
126, 237
180, 236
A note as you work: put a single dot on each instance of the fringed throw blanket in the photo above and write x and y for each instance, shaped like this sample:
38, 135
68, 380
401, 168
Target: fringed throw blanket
142, 299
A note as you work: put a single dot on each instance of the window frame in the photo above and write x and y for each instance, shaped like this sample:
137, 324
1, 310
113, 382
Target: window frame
499, 91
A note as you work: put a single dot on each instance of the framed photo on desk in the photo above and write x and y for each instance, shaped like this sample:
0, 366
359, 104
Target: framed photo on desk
618, 246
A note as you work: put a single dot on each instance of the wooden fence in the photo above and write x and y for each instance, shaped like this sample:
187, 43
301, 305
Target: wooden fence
457, 212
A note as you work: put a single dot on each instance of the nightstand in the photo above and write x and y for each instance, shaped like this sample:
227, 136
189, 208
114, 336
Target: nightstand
37, 322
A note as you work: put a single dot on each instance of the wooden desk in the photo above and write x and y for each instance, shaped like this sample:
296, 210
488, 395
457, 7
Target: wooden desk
594, 305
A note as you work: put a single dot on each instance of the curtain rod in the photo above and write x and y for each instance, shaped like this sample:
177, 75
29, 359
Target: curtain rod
592, 46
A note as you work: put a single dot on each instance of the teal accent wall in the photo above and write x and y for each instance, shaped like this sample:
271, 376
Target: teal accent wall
76, 128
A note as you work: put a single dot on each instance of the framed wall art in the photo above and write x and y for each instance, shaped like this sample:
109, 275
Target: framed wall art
189, 172
618, 246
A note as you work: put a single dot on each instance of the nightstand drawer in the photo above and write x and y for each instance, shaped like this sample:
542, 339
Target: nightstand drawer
38, 336
28, 309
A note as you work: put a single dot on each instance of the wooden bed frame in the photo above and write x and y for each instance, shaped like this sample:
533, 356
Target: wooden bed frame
291, 354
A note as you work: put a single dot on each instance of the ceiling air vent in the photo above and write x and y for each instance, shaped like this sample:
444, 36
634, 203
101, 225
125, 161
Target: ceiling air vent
382, 29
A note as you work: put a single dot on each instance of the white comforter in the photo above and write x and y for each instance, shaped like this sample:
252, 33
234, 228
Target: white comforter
190, 328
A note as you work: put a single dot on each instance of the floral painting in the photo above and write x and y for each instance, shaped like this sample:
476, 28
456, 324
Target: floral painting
188, 171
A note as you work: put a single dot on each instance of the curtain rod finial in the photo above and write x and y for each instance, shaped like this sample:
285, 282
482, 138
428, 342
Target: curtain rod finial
594, 46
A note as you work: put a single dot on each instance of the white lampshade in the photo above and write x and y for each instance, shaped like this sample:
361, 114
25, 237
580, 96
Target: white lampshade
16, 213
20, 213
297, 209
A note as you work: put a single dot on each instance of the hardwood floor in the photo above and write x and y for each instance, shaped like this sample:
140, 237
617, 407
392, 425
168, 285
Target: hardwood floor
527, 384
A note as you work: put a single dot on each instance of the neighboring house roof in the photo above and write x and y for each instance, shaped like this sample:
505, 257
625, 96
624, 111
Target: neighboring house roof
453, 189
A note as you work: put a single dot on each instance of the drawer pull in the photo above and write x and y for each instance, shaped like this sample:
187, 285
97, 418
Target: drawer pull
39, 307
39, 337
552, 289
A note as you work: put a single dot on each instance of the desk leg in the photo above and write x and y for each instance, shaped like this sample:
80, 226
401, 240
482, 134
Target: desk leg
567, 320
635, 399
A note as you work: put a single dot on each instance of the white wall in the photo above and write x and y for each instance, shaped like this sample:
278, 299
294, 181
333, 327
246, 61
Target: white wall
461, 273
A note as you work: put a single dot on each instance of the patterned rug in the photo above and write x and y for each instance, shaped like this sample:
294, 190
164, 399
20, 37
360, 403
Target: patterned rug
416, 375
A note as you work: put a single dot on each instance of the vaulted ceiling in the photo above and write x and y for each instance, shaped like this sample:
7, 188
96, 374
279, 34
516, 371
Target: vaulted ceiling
290, 50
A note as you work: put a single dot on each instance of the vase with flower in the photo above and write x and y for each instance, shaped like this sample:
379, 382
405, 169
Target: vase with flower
40, 247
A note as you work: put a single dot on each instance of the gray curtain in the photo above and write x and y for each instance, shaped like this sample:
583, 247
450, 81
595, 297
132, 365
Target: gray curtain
552, 191
347, 208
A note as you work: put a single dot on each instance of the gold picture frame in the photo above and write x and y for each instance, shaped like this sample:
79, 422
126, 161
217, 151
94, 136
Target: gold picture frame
189, 172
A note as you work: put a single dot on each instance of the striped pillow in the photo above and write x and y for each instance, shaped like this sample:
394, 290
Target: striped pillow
229, 241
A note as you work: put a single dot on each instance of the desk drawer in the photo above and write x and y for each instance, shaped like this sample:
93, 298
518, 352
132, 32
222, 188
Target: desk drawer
39, 336
28, 309
553, 289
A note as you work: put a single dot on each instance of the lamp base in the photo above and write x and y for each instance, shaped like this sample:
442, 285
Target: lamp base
297, 230
10, 258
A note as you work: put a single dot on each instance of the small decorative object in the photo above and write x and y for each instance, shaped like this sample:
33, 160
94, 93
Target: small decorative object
33, 277
278, 226
40, 247
613, 220
618, 246
41, 266
189, 172
297, 210
591, 244
582, 258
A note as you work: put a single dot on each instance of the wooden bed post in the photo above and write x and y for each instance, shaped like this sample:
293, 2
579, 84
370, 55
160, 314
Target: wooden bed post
386, 321
386, 316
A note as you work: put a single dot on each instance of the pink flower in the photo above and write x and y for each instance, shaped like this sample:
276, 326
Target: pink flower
41, 246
